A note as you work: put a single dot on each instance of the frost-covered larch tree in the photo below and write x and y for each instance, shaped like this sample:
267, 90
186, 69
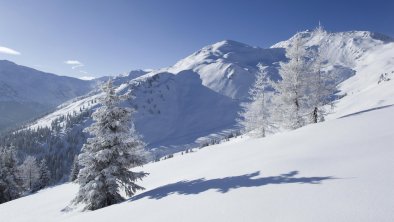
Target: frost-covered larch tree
9, 181
30, 173
291, 90
107, 157
321, 84
255, 117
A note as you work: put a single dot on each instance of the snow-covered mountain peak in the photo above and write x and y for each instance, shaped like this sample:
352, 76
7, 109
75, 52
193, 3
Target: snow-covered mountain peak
136, 73
360, 39
227, 46
340, 48
228, 51
228, 67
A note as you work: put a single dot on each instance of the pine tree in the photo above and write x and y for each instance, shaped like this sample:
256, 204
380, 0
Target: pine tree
74, 170
29, 172
292, 89
9, 181
107, 157
255, 116
44, 176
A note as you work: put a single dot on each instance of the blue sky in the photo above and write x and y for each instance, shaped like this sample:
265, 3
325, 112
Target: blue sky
106, 37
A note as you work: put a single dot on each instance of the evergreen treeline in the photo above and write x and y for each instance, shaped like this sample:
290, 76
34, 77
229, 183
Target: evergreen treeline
39, 157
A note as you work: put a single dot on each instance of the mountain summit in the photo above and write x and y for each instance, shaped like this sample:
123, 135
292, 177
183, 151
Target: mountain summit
228, 67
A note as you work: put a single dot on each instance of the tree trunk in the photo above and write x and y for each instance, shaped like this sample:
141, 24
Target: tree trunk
314, 115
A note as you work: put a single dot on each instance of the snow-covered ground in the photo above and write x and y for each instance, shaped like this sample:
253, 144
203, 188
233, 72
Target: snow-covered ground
339, 170
372, 85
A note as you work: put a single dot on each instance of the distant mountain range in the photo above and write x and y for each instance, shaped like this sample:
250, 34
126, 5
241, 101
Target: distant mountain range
199, 96
26, 93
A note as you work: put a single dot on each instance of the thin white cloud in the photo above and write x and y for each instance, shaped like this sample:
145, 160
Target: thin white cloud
8, 51
86, 77
74, 63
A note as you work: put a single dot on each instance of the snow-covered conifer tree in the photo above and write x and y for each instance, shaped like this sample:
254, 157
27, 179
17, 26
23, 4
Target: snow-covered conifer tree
255, 117
30, 173
9, 182
74, 170
107, 157
291, 89
44, 175
321, 85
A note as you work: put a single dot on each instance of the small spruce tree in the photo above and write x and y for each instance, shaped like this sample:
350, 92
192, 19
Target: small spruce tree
107, 157
44, 175
74, 170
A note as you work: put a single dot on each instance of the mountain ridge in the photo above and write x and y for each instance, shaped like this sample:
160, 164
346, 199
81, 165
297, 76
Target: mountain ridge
219, 72
26, 93
196, 102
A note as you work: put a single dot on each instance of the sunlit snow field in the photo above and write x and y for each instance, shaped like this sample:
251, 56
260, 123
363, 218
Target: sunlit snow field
339, 170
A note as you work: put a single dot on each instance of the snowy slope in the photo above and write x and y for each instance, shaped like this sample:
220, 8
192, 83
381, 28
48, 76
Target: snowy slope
360, 58
78, 104
174, 110
229, 67
26, 93
340, 170
373, 84
167, 106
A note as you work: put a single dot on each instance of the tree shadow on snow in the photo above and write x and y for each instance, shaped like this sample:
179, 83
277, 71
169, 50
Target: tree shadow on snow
365, 111
223, 185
